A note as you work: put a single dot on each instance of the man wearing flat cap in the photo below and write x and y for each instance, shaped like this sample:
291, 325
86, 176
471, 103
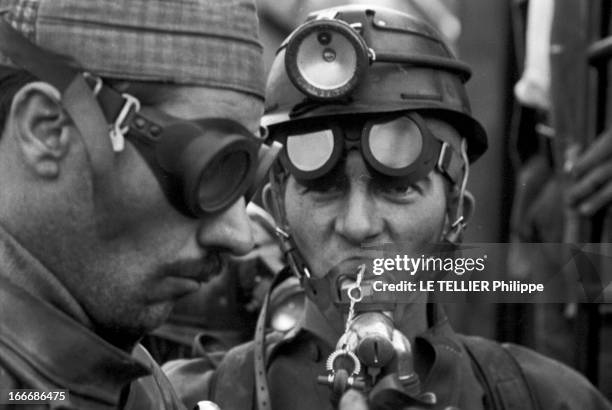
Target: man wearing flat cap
128, 146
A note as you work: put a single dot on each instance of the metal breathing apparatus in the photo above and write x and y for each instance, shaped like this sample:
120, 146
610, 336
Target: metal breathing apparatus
203, 165
374, 357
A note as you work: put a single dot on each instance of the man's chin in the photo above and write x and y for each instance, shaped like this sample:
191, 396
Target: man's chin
155, 316
127, 333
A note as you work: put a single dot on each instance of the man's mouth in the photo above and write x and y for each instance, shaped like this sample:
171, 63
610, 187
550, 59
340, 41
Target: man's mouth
349, 268
200, 270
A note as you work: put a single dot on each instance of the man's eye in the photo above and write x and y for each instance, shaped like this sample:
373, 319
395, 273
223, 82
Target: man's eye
399, 190
323, 189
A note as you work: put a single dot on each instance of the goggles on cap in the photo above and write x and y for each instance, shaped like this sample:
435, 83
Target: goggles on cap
396, 146
203, 165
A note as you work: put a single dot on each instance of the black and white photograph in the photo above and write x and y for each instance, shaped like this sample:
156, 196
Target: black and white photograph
306, 204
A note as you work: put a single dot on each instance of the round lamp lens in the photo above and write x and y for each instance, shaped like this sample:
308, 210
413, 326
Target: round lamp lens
327, 60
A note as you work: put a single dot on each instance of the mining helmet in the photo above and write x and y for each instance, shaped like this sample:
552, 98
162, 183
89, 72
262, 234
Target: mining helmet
368, 60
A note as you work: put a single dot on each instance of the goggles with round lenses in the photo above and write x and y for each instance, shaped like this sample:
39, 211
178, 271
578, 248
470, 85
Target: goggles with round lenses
202, 165
398, 146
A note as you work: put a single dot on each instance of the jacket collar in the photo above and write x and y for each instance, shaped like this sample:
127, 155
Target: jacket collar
20, 267
42, 324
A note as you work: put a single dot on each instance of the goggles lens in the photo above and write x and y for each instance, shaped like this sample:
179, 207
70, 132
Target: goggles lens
399, 147
396, 144
222, 180
311, 151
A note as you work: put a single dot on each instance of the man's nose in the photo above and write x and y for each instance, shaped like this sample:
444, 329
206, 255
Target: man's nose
229, 230
360, 221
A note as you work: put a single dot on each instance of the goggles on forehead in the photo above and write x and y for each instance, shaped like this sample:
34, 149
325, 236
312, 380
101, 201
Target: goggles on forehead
399, 146
202, 165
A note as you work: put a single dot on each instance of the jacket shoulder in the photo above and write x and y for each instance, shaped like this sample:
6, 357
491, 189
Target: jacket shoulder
153, 391
555, 385
200, 379
8, 380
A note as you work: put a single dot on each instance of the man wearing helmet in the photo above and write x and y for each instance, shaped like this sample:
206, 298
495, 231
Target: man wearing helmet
378, 135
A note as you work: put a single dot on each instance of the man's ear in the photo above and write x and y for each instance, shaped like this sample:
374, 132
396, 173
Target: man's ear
40, 127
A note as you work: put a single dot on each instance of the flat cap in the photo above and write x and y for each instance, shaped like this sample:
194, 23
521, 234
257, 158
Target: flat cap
192, 42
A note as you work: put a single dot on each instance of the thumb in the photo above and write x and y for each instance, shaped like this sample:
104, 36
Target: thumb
353, 400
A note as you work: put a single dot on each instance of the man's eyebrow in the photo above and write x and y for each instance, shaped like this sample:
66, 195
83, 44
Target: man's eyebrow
387, 180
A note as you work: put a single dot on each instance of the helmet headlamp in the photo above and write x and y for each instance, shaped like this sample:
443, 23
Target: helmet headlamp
327, 58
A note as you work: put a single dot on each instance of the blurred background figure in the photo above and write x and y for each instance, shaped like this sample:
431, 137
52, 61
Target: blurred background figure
561, 146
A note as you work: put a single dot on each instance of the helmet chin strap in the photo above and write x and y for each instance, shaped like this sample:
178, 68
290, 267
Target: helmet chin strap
288, 246
454, 233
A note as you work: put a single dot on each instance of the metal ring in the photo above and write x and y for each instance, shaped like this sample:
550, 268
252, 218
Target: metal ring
97, 82
350, 294
329, 365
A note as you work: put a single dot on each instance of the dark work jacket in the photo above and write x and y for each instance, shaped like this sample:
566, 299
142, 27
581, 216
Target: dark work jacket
295, 359
46, 344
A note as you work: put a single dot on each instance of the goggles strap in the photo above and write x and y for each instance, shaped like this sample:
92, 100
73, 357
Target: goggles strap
118, 109
450, 164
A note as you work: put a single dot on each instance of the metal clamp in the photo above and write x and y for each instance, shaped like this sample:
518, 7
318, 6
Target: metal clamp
359, 294
459, 222
117, 131
97, 86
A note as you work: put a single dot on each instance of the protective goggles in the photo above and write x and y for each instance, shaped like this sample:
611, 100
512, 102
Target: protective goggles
399, 146
202, 165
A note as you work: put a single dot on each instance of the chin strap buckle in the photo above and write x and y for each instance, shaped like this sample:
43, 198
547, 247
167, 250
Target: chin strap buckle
454, 233
293, 259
